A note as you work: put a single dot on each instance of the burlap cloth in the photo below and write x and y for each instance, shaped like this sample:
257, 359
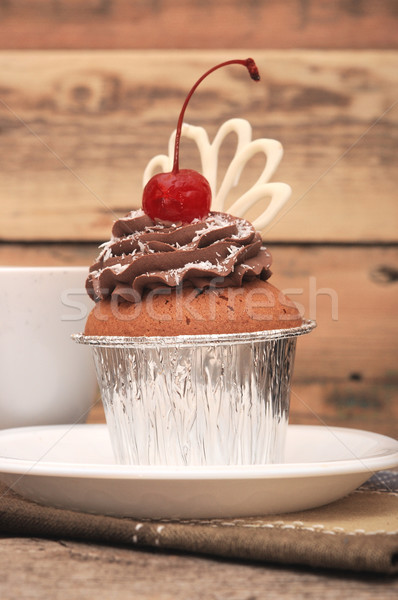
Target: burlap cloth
359, 532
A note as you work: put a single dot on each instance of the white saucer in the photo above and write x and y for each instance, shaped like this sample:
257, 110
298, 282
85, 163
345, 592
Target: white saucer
73, 467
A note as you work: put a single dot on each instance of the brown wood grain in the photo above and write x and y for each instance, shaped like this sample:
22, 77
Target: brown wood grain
44, 255
78, 128
63, 569
371, 406
198, 24
351, 293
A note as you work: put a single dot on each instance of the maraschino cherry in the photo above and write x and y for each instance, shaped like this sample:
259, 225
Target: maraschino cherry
184, 194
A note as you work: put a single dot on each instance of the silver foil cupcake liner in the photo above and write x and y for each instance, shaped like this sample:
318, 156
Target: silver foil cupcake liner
197, 400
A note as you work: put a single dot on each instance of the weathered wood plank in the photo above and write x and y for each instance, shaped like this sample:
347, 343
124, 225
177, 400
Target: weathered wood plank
78, 128
346, 370
372, 406
44, 255
193, 24
68, 569
351, 292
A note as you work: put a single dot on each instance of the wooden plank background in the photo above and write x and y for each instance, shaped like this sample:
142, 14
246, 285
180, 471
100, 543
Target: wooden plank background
78, 128
90, 91
320, 24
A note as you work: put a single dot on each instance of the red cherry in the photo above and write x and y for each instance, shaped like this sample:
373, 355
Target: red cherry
184, 195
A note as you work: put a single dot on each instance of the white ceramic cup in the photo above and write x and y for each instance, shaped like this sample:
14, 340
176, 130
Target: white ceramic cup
44, 377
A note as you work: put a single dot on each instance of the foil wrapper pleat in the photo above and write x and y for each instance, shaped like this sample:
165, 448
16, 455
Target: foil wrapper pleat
223, 400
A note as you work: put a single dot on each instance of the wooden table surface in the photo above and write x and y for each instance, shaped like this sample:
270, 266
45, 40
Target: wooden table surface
66, 570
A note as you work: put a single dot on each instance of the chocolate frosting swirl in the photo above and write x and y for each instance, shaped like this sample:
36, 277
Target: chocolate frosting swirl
217, 251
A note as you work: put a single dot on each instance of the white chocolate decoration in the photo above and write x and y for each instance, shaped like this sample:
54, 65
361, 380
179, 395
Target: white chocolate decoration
262, 190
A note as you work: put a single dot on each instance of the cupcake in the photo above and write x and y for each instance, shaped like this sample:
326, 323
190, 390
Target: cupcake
193, 346
206, 277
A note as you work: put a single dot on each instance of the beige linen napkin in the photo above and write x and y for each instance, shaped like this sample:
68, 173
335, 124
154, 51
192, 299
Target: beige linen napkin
359, 532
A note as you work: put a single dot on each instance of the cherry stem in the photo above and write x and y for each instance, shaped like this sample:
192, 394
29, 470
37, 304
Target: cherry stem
254, 74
